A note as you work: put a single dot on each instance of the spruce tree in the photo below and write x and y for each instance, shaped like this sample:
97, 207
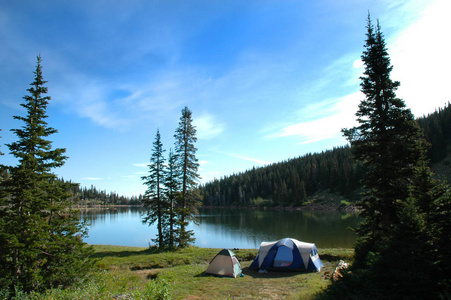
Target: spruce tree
172, 185
154, 200
188, 200
389, 143
395, 255
40, 237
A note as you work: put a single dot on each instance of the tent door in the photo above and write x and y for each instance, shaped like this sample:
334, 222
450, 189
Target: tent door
284, 257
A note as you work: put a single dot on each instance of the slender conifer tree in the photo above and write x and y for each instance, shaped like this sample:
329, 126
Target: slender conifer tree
188, 200
388, 141
40, 237
154, 199
172, 184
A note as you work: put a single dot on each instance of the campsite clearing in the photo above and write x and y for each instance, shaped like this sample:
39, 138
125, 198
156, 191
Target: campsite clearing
128, 271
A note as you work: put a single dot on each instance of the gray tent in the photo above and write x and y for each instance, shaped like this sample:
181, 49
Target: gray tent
225, 263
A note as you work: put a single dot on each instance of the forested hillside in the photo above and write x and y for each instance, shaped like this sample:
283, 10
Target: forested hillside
291, 182
437, 130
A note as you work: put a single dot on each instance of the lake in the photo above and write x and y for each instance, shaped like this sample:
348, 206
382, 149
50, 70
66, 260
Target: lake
227, 228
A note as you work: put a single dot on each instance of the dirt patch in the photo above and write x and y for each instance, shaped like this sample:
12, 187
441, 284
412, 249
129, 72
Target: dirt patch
148, 273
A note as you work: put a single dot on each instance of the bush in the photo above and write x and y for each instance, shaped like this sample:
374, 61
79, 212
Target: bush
261, 202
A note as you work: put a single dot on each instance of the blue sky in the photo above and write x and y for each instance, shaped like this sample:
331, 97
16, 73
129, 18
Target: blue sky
266, 80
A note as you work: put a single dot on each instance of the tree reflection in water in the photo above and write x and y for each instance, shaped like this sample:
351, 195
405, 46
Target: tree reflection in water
228, 228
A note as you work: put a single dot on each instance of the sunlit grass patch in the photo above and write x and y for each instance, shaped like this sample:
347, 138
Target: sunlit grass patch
142, 273
145, 258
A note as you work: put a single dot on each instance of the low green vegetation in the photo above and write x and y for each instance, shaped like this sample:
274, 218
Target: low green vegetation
143, 273
260, 202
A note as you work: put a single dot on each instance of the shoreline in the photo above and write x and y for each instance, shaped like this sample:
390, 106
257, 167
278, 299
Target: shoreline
309, 207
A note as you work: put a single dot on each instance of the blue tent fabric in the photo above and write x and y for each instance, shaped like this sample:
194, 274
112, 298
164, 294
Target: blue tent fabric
287, 254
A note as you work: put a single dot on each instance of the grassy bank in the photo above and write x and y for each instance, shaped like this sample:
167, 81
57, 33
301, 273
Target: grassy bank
140, 273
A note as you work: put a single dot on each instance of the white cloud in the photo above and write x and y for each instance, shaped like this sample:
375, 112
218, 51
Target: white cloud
98, 112
328, 125
208, 127
421, 60
158, 95
140, 165
88, 98
358, 63
203, 162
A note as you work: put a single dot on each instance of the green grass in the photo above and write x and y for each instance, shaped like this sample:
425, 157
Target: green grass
142, 273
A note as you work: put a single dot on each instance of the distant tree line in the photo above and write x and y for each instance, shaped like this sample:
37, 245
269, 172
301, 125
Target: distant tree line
287, 183
290, 182
93, 196
87, 196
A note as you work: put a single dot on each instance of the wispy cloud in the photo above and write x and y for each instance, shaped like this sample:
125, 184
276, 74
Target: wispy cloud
327, 124
140, 165
159, 95
203, 162
208, 127
325, 119
246, 158
93, 99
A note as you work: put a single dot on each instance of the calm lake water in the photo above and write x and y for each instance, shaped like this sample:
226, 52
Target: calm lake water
228, 228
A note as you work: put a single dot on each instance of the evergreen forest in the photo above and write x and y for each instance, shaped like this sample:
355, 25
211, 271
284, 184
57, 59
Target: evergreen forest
294, 181
93, 196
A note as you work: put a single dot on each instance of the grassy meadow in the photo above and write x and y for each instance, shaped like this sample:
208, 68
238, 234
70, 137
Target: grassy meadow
142, 273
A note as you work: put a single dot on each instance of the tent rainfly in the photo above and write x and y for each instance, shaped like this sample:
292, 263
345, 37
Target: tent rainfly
225, 263
287, 254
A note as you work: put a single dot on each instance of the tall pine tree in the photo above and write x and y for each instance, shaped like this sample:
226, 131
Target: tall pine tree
154, 199
172, 185
188, 200
40, 237
397, 252
389, 143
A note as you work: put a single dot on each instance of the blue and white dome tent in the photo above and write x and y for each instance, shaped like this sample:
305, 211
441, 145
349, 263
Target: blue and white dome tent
287, 254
